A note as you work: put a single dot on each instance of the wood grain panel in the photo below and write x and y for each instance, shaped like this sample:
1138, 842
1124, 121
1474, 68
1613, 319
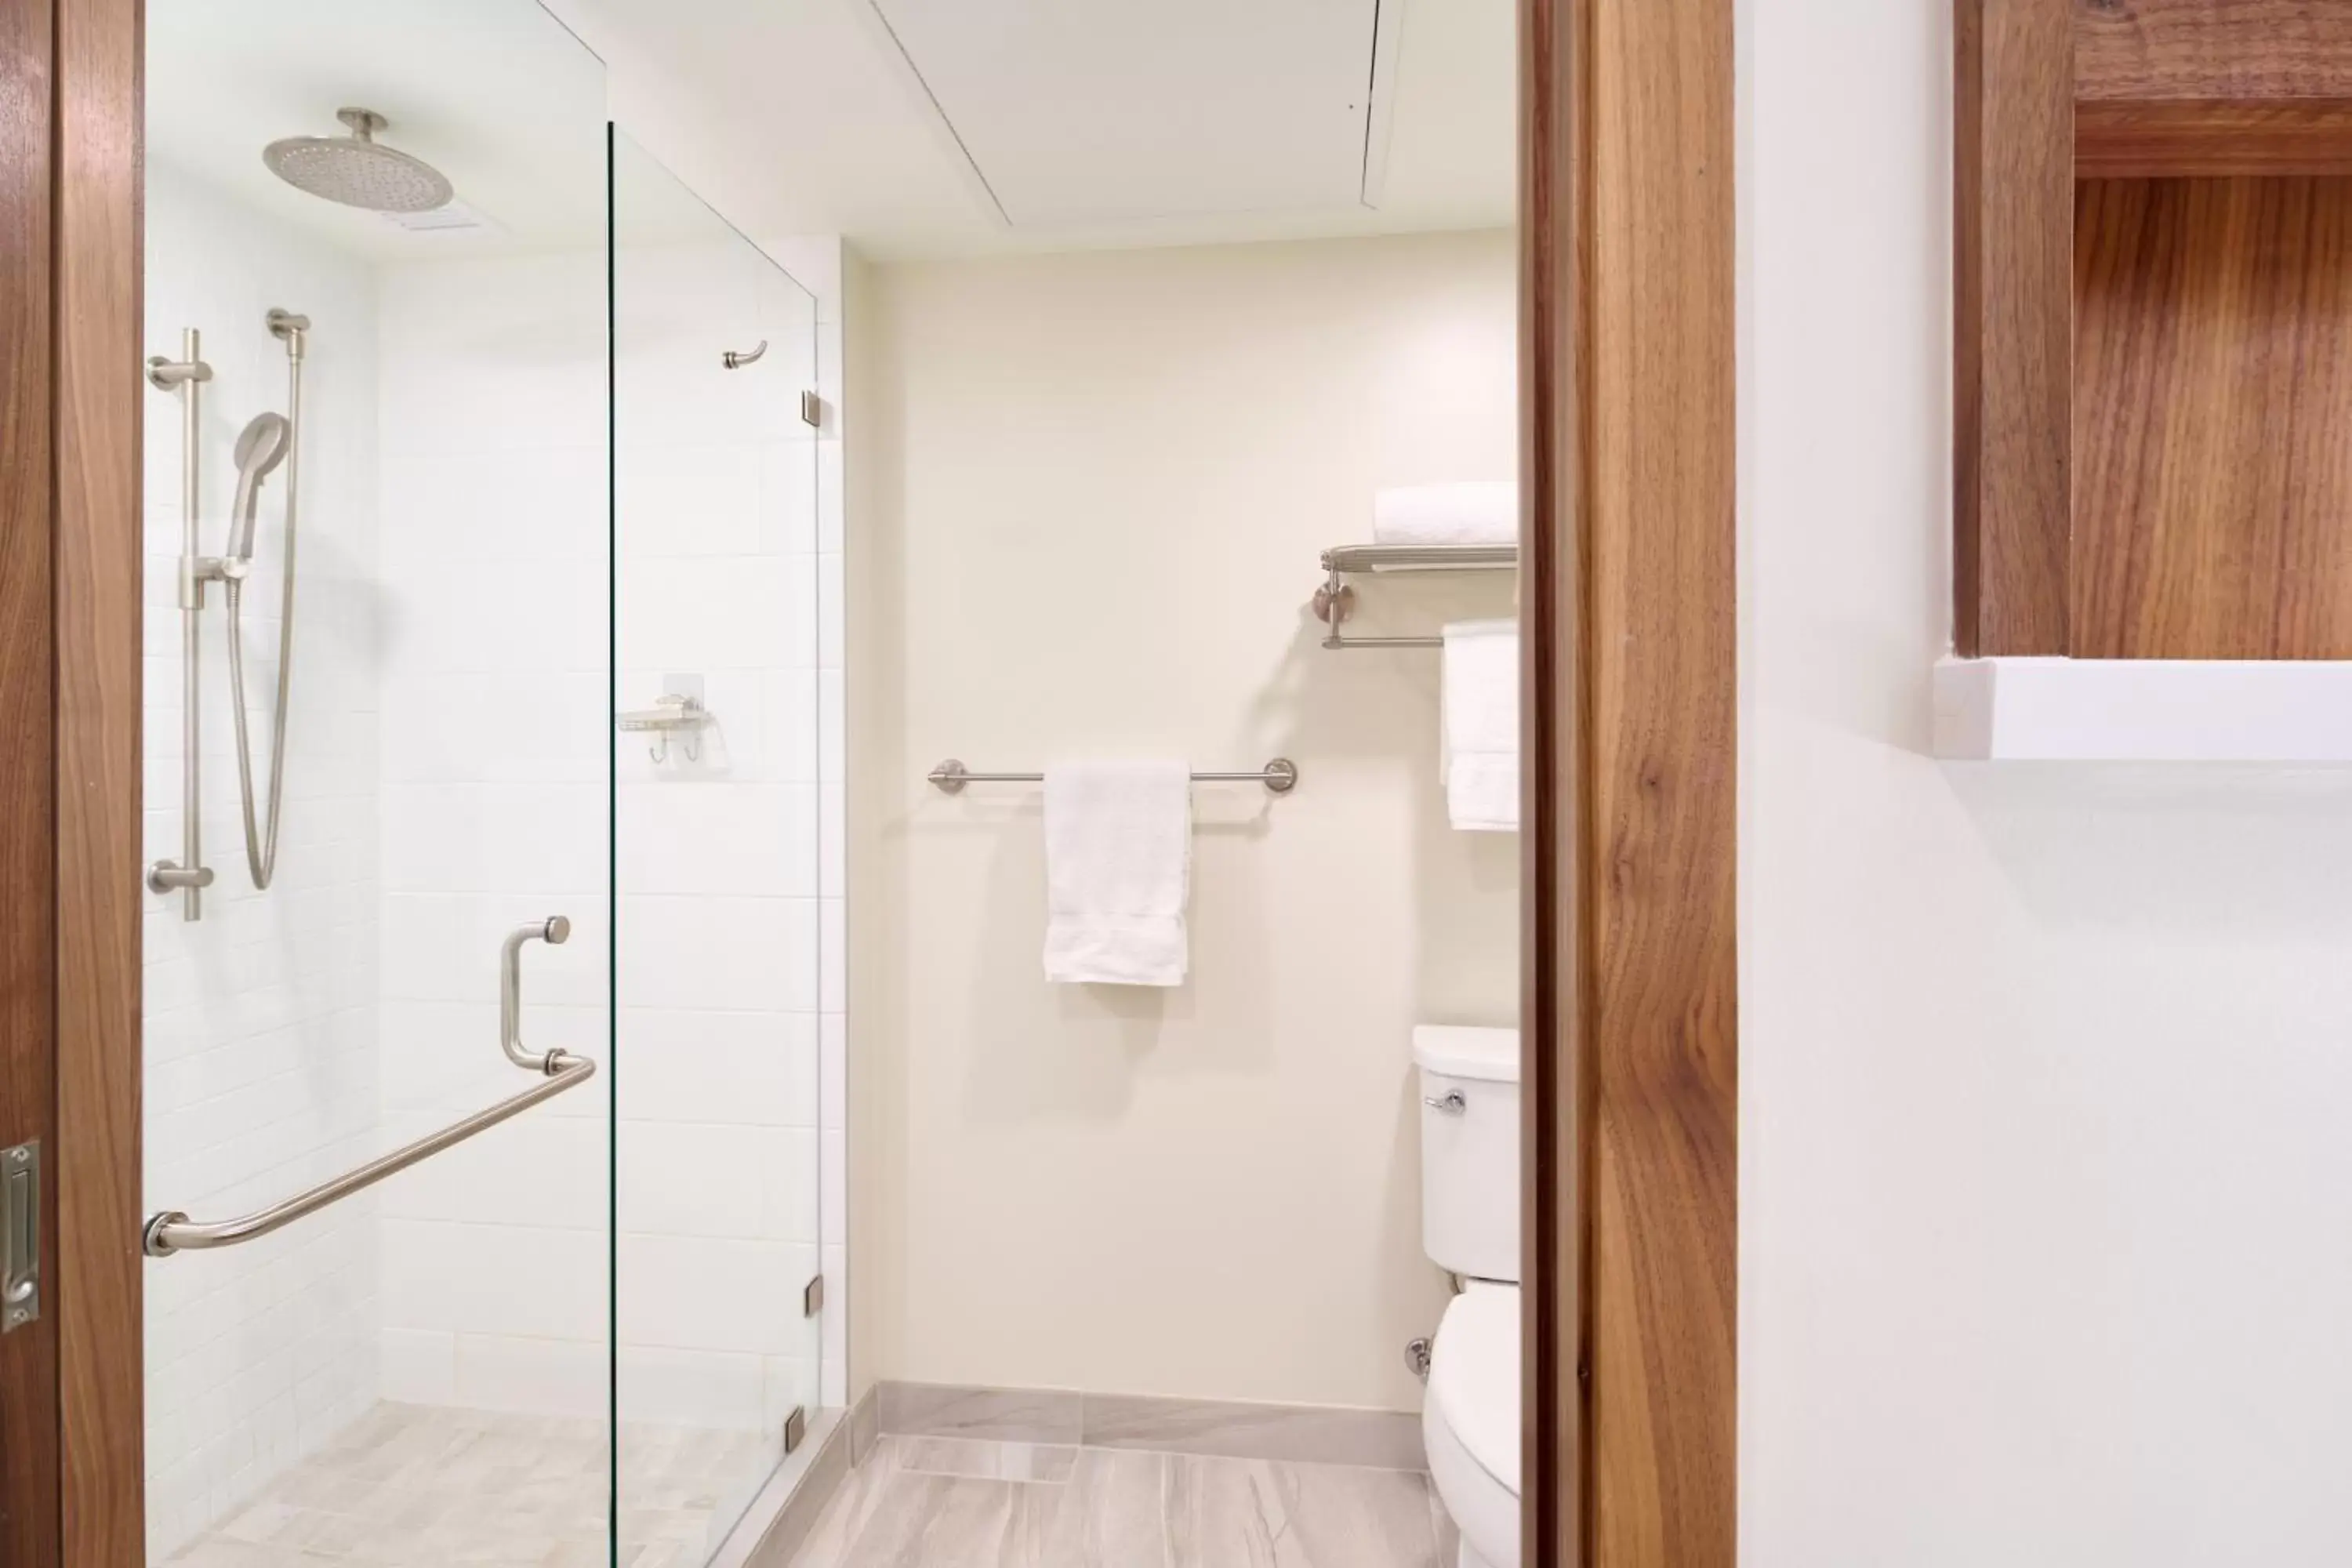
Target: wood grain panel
2209, 88
99, 57
2012, 193
2203, 140
1658, 811
1555, 57
2213, 371
29, 1356
2213, 51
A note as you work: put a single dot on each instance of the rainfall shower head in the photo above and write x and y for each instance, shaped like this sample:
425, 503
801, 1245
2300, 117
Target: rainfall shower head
260, 448
357, 170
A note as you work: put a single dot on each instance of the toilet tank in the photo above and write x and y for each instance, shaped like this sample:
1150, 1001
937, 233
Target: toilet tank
1470, 1149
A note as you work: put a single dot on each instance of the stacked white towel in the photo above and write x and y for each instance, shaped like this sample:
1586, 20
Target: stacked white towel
1119, 857
1482, 725
1479, 512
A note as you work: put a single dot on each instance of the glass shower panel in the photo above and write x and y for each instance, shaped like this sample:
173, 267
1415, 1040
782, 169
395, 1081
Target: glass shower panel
716, 637
377, 765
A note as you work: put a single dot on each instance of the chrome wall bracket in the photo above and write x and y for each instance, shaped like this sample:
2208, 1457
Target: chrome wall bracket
813, 1297
20, 1235
796, 1428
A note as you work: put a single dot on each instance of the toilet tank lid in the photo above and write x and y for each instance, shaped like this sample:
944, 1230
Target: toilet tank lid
1457, 1051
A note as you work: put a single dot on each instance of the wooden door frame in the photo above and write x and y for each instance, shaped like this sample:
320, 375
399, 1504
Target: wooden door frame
1629, 600
94, 1167
1629, 626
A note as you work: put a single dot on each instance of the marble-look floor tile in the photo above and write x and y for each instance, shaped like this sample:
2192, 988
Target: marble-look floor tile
421, 1486
849, 1510
1111, 1514
1257, 1514
1384, 1439
1449, 1536
942, 1521
987, 1461
1121, 1509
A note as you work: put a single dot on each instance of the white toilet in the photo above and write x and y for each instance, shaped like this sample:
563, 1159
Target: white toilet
1470, 1227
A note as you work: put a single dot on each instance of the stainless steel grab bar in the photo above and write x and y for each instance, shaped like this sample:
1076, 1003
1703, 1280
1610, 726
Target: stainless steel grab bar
172, 1231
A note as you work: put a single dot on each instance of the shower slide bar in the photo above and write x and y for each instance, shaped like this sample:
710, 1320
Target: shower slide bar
1280, 777
172, 1231
266, 442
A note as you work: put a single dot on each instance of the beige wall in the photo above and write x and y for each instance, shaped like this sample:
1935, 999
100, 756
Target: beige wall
1084, 520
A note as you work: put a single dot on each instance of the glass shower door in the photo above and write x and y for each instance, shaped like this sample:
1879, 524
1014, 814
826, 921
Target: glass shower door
716, 1148
377, 950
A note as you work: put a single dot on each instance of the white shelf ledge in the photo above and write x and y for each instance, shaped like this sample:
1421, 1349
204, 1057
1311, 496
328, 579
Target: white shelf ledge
2144, 711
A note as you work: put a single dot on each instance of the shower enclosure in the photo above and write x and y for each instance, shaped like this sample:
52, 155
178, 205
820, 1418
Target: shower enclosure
480, 1096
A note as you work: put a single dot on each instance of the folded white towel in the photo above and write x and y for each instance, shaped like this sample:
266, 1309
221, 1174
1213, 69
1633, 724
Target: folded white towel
1118, 856
1482, 725
1483, 512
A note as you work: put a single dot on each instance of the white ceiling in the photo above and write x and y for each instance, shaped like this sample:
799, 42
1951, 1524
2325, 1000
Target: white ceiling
911, 127
1233, 105
954, 127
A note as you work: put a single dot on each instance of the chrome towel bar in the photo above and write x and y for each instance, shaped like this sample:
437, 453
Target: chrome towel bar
1280, 777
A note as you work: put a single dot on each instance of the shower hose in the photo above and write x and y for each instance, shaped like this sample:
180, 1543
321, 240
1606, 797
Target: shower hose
261, 842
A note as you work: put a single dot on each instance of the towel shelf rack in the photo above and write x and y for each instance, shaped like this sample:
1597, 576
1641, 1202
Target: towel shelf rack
1280, 777
1335, 601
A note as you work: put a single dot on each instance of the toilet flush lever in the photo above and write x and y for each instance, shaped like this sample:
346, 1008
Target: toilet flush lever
1454, 1104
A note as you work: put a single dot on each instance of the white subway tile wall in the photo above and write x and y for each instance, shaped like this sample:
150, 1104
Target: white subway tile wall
261, 1035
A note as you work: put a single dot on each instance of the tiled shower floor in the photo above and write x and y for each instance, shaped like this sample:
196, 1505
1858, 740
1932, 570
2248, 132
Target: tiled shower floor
413, 1485
949, 1502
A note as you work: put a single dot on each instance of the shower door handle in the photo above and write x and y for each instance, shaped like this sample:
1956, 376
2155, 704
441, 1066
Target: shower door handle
554, 931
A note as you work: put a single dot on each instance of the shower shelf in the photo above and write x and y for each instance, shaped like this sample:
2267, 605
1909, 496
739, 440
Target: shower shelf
667, 715
1335, 601
673, 713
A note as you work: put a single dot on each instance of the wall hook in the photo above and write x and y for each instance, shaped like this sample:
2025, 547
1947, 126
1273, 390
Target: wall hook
661, 753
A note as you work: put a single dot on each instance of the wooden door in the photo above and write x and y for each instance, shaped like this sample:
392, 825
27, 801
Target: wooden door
71, 1414
29, 1351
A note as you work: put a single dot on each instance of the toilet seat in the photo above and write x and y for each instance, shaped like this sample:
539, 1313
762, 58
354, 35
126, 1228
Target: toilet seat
1470, 1421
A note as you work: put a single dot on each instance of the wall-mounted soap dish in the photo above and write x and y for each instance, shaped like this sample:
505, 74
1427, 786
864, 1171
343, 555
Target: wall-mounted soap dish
673, 713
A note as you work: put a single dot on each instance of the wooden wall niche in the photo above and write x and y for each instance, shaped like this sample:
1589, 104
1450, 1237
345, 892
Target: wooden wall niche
2154, 319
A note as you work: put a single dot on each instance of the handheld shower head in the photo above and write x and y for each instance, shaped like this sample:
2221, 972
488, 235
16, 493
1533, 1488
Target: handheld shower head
260, 448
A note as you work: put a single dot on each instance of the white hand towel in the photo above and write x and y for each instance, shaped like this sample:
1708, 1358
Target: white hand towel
1119, 858
1482, 726
1483, 512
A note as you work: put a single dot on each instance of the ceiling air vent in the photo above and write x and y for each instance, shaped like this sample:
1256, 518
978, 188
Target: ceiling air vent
450, 218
